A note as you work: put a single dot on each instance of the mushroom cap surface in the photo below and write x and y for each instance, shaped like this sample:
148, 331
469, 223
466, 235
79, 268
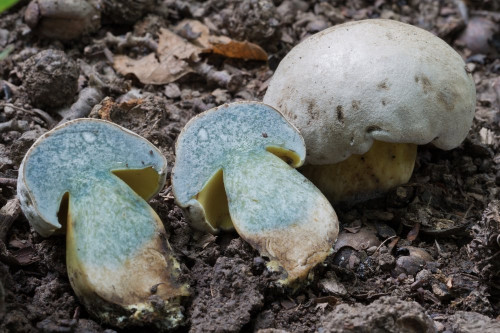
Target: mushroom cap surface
74, 156
371, 80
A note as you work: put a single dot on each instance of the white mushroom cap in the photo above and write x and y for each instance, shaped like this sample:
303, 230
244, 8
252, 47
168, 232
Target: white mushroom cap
371, 80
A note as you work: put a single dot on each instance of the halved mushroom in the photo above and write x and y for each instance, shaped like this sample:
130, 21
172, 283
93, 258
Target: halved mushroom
234, 168
92, 178
364, 94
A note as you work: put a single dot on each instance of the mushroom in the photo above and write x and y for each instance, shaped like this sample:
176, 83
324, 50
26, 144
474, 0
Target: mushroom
364, 95
91, 178
235, 169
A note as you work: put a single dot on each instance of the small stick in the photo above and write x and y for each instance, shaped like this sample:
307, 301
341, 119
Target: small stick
385, 241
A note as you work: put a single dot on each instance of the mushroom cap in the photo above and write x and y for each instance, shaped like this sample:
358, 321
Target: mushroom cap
74, 156
204, 147
373, 80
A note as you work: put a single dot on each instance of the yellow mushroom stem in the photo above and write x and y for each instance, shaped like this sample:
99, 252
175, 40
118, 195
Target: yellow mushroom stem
360, 177
213, 198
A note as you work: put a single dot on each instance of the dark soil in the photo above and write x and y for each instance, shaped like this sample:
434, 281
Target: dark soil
421, 258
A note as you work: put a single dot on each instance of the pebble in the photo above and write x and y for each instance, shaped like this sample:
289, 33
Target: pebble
9, 111
172, 91
424, 276
440, 290
409, 265
386, 261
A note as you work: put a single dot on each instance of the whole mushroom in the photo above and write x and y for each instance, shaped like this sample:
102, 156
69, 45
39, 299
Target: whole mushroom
364, 95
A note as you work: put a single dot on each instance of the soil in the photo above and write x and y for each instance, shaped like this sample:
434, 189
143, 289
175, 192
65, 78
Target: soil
421, 258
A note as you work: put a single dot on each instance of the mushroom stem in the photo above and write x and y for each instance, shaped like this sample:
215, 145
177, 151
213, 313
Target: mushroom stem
360, 177
121, 272
289, 237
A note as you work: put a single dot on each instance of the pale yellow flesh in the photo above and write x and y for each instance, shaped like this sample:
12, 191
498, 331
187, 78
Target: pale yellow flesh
144, 182
214, 201
383, 167
213, 196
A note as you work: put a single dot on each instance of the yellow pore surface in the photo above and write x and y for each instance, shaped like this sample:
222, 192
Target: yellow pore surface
384, 166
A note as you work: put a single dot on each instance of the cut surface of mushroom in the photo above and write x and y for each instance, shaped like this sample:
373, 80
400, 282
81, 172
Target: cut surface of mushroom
232, 170
372, 81
95, 176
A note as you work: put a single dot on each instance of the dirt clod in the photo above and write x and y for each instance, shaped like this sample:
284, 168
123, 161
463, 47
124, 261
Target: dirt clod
388, 314
50, 79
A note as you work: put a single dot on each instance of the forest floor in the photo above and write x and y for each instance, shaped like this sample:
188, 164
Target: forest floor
423, 257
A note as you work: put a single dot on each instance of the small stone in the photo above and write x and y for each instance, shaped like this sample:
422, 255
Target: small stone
424, 276
221, 96
333, 287
386, 262
371, 250
384, 231
439, 326
9, 111
409, 265
316, 26
440, 290
172, 91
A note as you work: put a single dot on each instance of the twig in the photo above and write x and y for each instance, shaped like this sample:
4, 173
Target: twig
385, 241
462, 9
14, 125
42, 114
221, 78
494, 15
129, 41
87, 98
8, 181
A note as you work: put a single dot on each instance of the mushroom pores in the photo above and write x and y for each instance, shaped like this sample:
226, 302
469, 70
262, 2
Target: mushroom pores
92, 178
235, 169
373, 80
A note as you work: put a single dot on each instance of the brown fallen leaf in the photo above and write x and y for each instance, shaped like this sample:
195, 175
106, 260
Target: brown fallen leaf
221, 45
413, 234
25, 256
178, 53
239, 50
174, 55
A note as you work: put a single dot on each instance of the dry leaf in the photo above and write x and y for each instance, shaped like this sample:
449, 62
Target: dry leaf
412, 235
222, 45
174, 55
239, 50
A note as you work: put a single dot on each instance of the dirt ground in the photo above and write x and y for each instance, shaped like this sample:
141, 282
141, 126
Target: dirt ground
424, 257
